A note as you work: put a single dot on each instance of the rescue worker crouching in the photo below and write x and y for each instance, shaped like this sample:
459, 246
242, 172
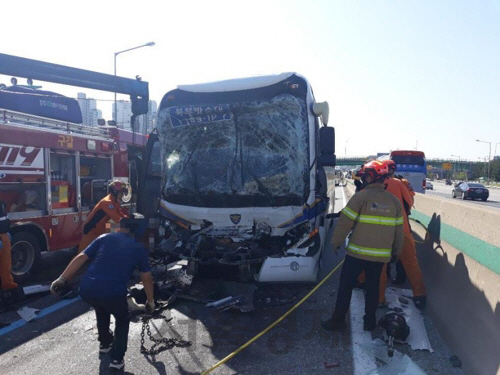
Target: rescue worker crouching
375, 218
108, 208
6, 280
113, 258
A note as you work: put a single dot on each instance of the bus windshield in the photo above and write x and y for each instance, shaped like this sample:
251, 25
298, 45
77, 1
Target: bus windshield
409, 159
236, 155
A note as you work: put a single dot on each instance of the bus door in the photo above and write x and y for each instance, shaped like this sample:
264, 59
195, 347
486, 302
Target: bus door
149, 185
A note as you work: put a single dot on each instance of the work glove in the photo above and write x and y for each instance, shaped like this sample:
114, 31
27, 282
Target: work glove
58, 285
150, 307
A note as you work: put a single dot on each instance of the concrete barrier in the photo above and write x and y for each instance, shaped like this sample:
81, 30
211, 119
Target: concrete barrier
460, 262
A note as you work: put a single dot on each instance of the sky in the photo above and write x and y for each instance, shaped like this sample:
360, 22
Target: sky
406, 74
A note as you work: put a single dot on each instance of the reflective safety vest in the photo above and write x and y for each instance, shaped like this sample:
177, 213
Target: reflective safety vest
375, 218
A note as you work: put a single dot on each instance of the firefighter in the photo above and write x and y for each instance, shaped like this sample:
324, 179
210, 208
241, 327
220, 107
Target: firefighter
357, 179
6, 279
375, 218
113, 259
408, 256
107, 208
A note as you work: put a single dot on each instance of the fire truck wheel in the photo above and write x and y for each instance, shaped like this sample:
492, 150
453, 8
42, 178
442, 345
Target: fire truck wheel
25, 255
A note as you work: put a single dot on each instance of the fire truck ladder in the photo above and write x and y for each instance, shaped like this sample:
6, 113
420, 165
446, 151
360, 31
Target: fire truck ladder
25, 120
43, 71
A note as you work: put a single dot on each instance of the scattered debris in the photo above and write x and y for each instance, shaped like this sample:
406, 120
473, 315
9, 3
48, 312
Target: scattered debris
32, 289
399, 366
219, 302
455, 361
331, 365
192, 298
378, 348
27, 313
242, 302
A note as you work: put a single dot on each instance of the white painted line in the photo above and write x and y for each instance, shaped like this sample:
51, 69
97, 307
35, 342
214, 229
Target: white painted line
344, 201
362, 361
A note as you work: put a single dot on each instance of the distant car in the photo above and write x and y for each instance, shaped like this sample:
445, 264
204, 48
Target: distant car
448, 181
467, 190
428, 185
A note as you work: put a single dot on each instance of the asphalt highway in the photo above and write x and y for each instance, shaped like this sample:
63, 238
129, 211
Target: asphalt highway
444, 191
64, 341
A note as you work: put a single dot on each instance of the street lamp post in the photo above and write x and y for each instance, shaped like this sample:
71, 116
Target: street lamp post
497, 143
489, 157
150, 44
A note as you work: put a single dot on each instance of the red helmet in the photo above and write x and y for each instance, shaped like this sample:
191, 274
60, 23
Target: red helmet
118, 186
375, 169
391, 164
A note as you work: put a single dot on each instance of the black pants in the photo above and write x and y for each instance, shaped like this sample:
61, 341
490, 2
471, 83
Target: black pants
117, 307
350, 271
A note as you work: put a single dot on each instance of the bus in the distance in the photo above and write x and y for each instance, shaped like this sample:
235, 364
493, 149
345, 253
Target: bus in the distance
412, 166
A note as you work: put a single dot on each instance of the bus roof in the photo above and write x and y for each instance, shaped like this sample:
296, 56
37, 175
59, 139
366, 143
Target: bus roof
238, 90
237, 84
408, 152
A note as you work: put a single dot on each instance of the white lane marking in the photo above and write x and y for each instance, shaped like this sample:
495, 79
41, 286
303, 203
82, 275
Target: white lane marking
343, 198
362, 362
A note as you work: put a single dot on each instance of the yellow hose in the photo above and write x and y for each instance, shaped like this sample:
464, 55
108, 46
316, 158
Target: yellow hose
273, 324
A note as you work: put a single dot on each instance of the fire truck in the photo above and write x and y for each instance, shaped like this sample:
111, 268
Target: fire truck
51, 175
52, 172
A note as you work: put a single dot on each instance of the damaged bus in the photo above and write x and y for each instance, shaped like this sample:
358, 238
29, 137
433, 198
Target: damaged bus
237, 172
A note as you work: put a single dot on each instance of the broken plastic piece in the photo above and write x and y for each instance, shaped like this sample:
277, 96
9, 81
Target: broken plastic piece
399, 366
331, 365
32, 289
27, 313
219, 302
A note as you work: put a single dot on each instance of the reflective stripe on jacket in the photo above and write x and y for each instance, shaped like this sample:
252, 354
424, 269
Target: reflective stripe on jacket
375, 218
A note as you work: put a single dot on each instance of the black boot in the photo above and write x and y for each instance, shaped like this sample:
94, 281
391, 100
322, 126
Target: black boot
369, 324
333, 324
420, 302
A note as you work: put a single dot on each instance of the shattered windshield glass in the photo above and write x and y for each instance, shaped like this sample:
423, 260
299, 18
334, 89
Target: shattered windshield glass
236, 155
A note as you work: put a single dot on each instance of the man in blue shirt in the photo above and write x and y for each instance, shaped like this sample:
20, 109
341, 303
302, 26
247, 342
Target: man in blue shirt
113, 258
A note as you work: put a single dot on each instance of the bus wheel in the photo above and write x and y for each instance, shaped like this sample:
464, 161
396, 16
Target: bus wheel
25, 255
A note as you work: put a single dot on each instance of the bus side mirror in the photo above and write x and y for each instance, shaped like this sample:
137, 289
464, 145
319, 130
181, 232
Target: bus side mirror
321, 110
327, 146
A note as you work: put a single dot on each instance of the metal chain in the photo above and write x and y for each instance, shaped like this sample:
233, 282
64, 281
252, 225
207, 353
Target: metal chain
157, 347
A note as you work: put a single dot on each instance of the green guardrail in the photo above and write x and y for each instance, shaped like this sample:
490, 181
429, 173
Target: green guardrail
483, 252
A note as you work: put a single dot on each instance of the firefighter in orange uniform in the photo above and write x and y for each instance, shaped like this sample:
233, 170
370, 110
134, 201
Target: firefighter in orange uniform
408, 256
6, 279
108, 208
